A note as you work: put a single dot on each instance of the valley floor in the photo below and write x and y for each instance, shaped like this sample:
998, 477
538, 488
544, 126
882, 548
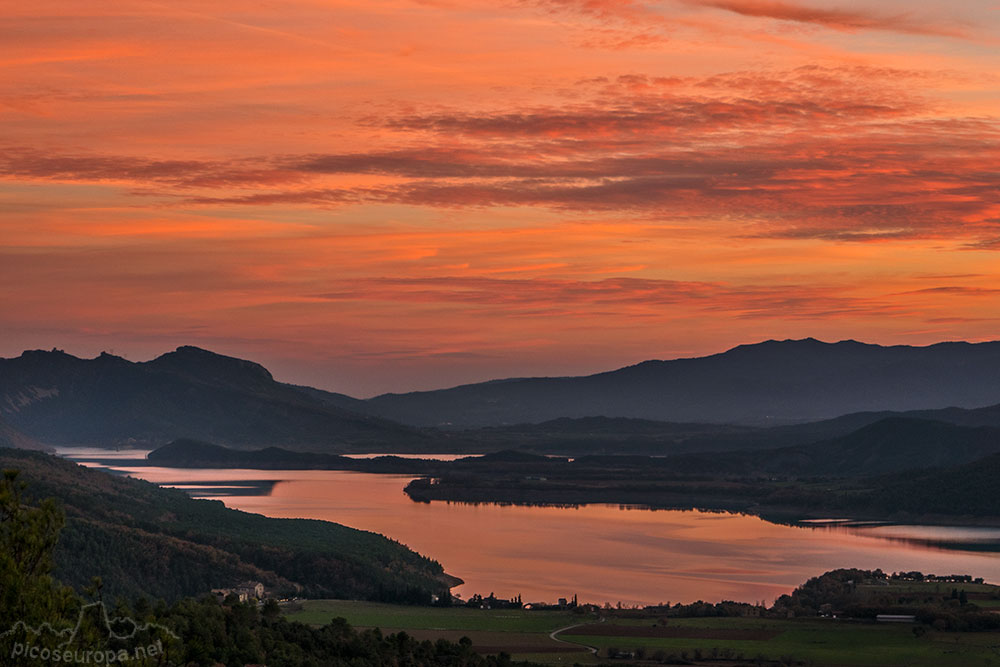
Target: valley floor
652, 640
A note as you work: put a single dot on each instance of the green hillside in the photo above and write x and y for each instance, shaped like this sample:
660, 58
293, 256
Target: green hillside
143, 539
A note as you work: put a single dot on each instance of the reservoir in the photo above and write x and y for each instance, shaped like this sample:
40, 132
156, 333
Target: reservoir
602, 553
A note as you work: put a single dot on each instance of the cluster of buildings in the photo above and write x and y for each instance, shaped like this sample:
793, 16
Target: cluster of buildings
247, 590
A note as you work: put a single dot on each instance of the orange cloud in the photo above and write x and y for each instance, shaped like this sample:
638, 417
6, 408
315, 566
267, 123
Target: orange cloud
834, 153
389, 195
837, 19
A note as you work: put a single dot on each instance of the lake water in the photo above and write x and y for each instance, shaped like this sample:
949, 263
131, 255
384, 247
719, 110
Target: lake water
602, 553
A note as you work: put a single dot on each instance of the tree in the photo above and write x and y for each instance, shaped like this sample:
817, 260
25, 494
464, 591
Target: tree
271, 610
27, 537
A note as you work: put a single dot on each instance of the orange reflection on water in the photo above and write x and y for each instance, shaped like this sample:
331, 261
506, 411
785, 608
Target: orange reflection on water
603, 553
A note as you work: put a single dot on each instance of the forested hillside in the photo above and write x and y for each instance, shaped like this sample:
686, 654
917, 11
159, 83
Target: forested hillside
143, 539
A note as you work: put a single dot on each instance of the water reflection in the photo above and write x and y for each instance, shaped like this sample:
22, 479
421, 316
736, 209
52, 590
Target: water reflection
960, 538
603, 553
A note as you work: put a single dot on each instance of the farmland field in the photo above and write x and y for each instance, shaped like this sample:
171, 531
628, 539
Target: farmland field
522, 633
810, 641
525, 635
378, 615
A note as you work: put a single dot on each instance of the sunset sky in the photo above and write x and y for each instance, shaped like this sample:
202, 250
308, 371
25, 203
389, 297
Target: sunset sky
385, 196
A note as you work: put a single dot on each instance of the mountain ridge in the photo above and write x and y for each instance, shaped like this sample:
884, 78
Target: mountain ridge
57, 398
800, 390
771, 382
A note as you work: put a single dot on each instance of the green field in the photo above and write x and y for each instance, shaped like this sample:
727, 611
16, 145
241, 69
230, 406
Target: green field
812, 641
522, 633
525, 635
377, 615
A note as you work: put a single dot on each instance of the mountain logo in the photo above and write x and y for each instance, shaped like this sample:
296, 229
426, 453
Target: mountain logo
95, 639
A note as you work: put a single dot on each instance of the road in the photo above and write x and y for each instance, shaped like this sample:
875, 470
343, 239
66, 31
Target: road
552, 636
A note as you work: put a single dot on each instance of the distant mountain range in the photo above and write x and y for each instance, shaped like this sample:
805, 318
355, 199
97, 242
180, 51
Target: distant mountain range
895, 444
768, 383
890, 445
896, 469
747, 398
61, 399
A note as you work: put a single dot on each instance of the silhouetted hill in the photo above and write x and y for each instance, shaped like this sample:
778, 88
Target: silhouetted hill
142, 539
187, 453
11, 437
611, 426
765, 383
189, 449
972, 489
506, 456
61, 399
894, 469
617, 435
829, 429
332, 398
985, 416
56, 398
891, 445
